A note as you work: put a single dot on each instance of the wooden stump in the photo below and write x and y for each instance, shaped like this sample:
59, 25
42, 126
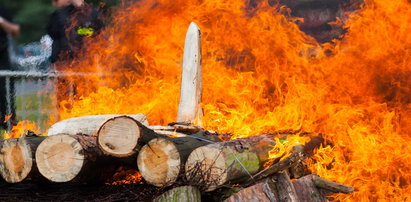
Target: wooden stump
217, 164
17, 159
183, 193
119, 136
87, 125
161, 160
72, 158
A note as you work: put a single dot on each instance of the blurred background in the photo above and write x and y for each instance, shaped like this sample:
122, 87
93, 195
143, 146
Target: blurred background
31, 85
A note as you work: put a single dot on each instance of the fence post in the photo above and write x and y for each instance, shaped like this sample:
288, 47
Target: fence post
8, 102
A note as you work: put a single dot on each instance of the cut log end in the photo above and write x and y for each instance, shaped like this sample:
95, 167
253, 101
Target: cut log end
119, 136
16, 160
208, 164
60, 158
159, 162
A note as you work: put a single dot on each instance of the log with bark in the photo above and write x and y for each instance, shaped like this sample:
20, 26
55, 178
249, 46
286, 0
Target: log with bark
123, 136
285, 188
264, 191
307, 191
183, 193
217, 164
162, 159
17, 161
73, 158
279, 187
87, 125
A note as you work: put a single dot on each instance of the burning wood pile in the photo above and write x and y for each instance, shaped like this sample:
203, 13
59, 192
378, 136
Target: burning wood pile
183, 156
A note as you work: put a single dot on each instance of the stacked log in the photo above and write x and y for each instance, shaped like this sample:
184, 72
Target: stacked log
17, 161
87, 125
206, 163
72, 158
162, 159
279, 187
216, 164
119, 136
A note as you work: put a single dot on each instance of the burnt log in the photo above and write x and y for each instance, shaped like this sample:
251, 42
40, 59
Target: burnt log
285, 188
264, 191
307, 191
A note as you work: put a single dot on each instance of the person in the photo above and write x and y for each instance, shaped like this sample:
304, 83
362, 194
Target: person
72, 21
7, 27
69, 24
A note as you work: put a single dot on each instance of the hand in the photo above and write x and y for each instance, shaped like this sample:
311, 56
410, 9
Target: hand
1, 20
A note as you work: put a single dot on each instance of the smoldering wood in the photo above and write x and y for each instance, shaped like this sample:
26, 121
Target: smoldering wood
293, 159
17, 162
331, 186
264, 191
286, 190
307, 191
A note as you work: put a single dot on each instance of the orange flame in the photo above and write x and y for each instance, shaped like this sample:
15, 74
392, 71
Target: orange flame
258, 77
20, 129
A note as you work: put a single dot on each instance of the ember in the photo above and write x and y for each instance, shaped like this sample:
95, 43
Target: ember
262, 74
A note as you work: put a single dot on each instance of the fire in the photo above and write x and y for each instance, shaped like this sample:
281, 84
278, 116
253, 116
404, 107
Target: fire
262, 74
21, 128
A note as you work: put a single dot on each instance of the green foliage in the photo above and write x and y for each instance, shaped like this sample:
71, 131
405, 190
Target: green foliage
33, 15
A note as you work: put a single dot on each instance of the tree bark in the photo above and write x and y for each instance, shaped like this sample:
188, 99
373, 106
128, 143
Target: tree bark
307, 191
162, 159
331, 186
286, 190
73, 158
87, 125
222, 163
264, 191
183, 193
311, 188
17, 161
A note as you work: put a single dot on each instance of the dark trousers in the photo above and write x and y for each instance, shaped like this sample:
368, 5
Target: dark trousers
5, 65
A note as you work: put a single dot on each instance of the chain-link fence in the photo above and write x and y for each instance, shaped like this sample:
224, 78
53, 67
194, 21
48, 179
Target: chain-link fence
34, 94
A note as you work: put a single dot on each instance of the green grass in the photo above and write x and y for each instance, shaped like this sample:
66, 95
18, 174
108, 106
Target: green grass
34, 107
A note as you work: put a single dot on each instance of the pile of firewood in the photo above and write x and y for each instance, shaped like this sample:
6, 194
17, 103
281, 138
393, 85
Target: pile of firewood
181, 156
89, 149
